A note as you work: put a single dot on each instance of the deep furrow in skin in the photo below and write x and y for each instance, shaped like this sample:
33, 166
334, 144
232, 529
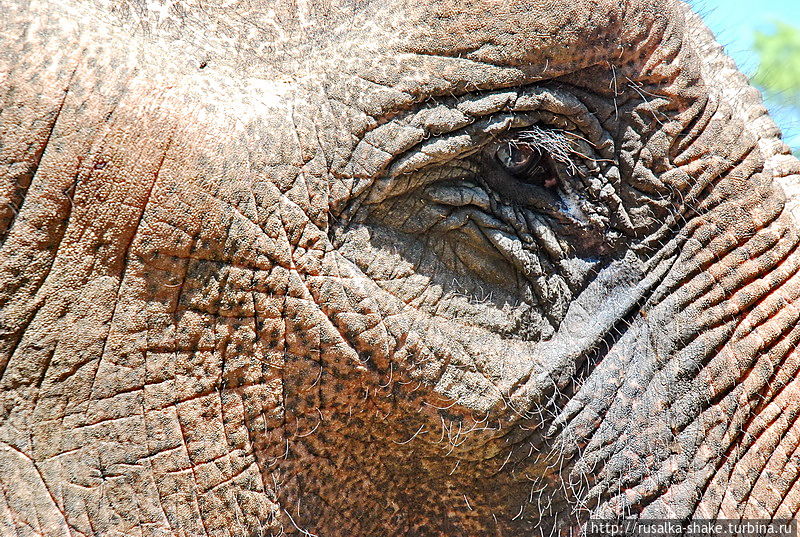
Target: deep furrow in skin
17, 336
709, 196
719, 397
708, 322
780, 283
770, 288
766, 457
782, 249
705, 256
794, 457
585, 368
24, 181
735, 446
19, 191
627, 321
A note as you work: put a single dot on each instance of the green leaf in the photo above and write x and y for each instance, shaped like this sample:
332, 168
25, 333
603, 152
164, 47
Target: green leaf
779, 71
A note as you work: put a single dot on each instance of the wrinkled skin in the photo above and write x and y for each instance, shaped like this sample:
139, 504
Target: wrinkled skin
269, 269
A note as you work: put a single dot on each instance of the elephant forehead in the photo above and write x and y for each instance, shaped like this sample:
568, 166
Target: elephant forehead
290, 39
524, 32
260, 67
440, 48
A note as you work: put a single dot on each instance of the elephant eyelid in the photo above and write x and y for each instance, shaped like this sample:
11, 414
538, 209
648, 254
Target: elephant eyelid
393, 147
410, 170
393, 157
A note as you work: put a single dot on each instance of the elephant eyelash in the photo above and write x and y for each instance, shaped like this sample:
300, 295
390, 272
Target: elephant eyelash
559, 145
550, 142
538, 156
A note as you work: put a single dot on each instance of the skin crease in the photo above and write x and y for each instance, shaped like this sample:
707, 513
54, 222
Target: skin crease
262, 272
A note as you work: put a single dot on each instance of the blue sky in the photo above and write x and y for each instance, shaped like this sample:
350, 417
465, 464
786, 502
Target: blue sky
734, 22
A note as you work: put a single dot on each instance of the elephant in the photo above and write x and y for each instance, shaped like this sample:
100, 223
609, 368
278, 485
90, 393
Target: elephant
358, 268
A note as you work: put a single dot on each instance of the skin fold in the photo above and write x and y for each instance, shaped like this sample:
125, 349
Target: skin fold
389, 268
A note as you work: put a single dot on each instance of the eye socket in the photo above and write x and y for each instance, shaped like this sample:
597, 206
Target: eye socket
526, 163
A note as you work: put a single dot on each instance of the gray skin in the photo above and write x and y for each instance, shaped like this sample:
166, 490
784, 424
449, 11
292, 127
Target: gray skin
388, 268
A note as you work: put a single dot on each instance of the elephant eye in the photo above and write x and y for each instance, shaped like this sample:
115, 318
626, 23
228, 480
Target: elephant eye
526, 163
518, 158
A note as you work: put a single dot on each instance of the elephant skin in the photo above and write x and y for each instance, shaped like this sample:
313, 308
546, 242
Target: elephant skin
356, 268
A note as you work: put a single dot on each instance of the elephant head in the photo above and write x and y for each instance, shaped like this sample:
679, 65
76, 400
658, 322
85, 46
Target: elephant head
389, 268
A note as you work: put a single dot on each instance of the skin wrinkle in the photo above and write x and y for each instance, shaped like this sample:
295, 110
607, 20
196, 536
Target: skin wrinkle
411, 299
759, 467
26, 319
17, 199
562, 419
